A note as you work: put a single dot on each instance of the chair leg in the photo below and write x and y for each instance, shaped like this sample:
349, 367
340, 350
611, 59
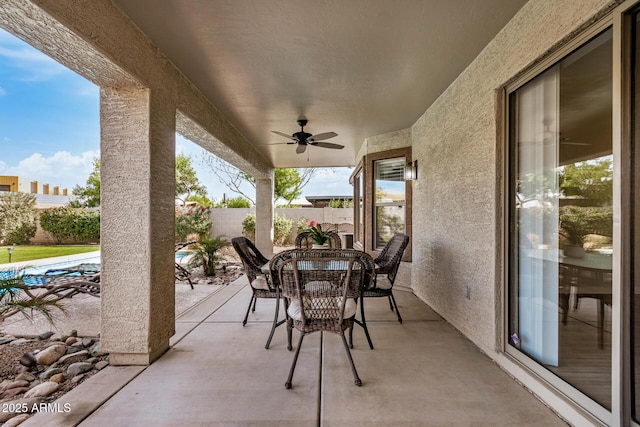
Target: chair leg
293, 364
356, 379
246, 316
390, 303
396, 306
275, 323
364, 324
255, 300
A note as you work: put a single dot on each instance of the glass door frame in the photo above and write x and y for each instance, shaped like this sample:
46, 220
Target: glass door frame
621, 371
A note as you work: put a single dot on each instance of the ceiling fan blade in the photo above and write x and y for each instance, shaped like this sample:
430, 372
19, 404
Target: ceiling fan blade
301, 148
283, 134
328, 145
323, 136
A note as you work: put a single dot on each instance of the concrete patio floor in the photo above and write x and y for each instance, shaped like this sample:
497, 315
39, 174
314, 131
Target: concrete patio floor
217, 373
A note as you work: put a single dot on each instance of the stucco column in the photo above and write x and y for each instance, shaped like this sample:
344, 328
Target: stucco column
137, 224
264, 216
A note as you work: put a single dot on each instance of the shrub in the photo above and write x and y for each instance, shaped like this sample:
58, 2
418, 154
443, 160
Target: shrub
234, 202
249, 227
205, 254
17, 218
281, 228
71, 225
189, 221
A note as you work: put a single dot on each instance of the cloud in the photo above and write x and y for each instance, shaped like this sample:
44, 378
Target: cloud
62, 168
34, 65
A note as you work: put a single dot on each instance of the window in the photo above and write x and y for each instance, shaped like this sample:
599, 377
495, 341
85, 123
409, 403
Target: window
561, 218
390, 199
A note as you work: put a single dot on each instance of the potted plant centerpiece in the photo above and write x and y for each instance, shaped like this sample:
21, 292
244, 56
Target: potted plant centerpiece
320, 238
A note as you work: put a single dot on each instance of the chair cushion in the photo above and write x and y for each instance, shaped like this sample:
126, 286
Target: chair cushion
295, 311
260, 282
383, 282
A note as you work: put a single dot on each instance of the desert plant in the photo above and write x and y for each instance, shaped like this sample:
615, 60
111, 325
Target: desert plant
71, 225
204, 254
17, 218
17, 297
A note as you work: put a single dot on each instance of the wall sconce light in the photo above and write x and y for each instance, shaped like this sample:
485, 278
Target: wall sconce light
411, 171
10, 250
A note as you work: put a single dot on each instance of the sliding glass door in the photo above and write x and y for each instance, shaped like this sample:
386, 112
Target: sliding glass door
560, 218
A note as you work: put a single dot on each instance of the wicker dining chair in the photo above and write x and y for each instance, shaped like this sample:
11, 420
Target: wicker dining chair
304, 240
261, 285
322, 287
386, 269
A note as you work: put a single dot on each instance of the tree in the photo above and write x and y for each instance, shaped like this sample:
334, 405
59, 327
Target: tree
187, 183
89, 195
287, 182
591, 180
17, 218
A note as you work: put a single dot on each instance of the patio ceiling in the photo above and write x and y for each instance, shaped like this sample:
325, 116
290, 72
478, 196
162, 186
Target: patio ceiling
358, 68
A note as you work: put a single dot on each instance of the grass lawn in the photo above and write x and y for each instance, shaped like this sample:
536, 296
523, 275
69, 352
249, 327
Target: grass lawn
28, 252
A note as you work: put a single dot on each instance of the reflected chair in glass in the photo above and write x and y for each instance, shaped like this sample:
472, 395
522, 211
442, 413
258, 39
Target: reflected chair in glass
322, 287
304, 240
261, 285
386, 269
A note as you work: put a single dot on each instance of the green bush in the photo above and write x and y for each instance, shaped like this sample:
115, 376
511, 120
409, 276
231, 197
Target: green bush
17, 218
71, 225
249, 227
281, 228
189, 221
234, 203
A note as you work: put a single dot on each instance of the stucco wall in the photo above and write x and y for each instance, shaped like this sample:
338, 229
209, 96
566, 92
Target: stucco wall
457, 266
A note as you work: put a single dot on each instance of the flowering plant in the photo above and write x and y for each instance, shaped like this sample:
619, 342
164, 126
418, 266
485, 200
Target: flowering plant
316, 233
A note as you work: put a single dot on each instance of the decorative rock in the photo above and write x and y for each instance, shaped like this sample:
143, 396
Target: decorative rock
13, 392
25, 376
46, 375
45, 335
74, 357
75, 348
78, 368
51, 354
17, 383
17, 420
96, 350
74, 333
101, 365
19, 341
71, 340
58, 378
77, 378
28, 360
41, 390
88, 342
92, 360
6, 340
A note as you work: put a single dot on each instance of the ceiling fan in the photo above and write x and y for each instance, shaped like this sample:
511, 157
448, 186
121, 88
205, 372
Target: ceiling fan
302, 139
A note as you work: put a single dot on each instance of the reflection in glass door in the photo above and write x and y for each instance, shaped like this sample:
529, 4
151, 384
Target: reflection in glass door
560, 218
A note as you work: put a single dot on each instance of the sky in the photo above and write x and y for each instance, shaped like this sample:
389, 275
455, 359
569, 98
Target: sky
50, 129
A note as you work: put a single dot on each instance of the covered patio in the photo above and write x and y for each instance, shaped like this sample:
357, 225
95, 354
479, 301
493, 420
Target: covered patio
422, 372
411, 83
